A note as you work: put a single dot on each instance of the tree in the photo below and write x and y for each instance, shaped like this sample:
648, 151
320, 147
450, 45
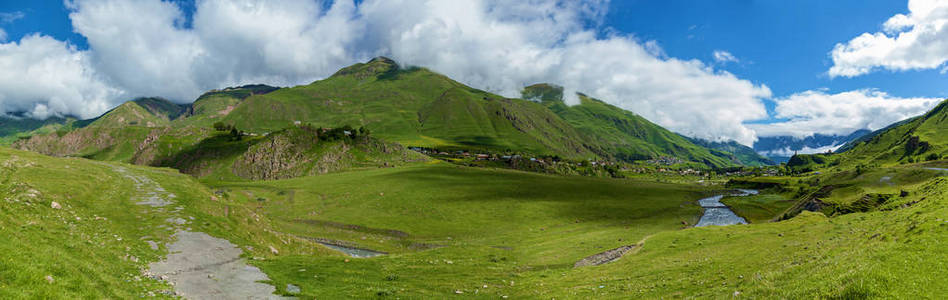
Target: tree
911, 145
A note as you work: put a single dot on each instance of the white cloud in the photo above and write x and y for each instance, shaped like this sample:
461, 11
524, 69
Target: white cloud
3, 35
141, 48
43, 76
813, 112
9, 17
723, 57
915, 41
787, 152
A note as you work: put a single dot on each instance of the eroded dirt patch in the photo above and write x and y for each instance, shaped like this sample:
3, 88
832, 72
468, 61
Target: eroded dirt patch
604, 257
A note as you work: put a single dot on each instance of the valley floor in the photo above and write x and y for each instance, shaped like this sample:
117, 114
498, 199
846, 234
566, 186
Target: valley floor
451, 230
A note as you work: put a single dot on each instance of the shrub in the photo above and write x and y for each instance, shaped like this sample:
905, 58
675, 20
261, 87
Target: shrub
933, 156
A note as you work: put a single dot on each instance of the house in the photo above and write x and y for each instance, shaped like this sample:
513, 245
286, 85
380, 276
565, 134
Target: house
482, 156
297, 123
506, 157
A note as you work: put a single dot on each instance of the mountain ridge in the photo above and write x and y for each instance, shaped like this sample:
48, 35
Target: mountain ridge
411, 106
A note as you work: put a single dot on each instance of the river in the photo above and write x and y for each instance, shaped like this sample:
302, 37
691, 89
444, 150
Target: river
716, 213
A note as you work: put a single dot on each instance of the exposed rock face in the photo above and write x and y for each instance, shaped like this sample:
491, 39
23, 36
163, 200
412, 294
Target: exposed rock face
299, 152
603, 257
278, 157
68, 144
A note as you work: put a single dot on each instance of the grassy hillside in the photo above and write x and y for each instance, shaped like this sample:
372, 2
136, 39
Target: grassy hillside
148, 112
410, 106
741, 154
414, 107
291, 152
913, 140
213, 106
622, 134
13, 128
71, 229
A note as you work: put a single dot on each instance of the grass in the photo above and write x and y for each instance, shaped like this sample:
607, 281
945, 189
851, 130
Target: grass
760, 208
450, 229
87, 247
457, 228
410, 106
882, 254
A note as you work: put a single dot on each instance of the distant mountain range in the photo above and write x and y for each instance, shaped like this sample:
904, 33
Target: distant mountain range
781, 148
410, 106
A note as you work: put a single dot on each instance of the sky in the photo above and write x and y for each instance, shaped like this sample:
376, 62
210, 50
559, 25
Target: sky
718, 70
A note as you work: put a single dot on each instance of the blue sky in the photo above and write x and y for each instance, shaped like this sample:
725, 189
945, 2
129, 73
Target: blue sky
776, 80
784, 44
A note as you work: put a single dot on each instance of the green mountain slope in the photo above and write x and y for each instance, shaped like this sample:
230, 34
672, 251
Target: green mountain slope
414, 107
116, 135
622, 134
913, 140
741, 154
291, 152
16, 127
410, 106
148, 112
213, 106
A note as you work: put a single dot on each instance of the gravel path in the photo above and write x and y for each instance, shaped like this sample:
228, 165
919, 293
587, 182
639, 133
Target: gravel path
198, 265
204, 267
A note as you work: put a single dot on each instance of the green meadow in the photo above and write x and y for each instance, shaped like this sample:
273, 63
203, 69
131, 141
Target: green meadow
450, 230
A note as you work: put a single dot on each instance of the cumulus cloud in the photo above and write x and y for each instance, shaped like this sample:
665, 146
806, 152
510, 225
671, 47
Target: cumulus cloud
916, 41
813, 112
144, 48
723, 57
43, 76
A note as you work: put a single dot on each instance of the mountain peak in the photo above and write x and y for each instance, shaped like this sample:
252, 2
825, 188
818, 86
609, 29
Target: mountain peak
375, 67
542, 92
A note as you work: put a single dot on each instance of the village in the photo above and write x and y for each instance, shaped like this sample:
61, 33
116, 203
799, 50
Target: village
662, 167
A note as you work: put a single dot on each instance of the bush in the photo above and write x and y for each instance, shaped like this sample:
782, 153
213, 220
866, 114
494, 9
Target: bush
220, 126
933, 156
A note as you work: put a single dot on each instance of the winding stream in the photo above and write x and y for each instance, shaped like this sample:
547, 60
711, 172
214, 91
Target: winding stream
354, 252
716, 213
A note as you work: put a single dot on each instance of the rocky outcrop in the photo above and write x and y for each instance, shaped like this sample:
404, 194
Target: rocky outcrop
71, 143
279, 156
300, 152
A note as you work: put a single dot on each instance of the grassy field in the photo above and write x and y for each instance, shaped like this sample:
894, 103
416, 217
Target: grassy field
484, 233
450, 228
446, 227
893, 252
760, 208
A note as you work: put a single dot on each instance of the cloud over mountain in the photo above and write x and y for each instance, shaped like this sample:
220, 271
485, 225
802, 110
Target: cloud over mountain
151, 48
812, 112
